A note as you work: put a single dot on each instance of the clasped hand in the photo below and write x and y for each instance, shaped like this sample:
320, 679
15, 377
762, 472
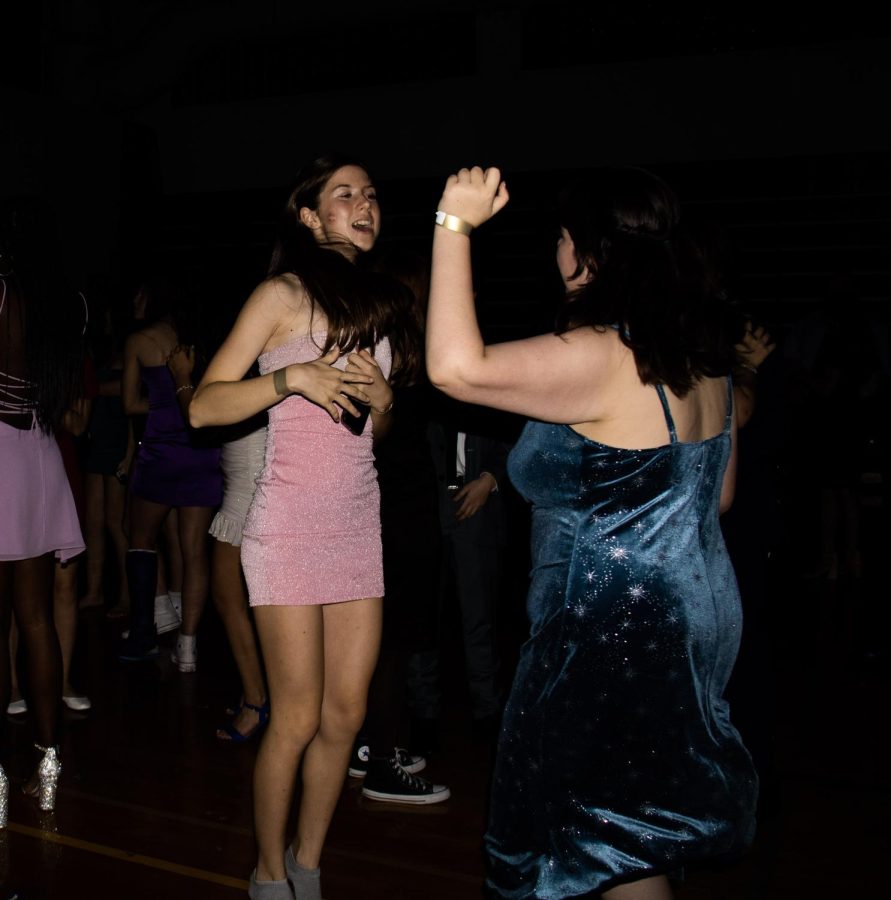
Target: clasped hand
474, 195
332, 389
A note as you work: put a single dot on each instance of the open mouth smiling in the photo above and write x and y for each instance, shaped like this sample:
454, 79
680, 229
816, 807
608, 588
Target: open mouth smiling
364, 226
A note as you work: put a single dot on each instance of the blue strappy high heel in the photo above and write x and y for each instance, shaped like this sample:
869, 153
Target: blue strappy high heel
234, 735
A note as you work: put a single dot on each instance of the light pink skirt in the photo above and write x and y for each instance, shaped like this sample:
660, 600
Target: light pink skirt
38, 513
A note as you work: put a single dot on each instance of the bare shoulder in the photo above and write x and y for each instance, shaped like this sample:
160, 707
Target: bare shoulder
145, 345
713, 392
284, 289
703, 411
282, 303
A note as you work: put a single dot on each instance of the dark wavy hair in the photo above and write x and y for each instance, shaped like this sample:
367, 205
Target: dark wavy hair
46, 332
650, 280
410, 274
358, 312
176, 296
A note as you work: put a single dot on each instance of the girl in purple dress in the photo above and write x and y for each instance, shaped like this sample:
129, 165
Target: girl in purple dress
174, 469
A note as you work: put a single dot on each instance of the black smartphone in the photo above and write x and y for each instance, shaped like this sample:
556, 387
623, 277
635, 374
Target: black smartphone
356, 424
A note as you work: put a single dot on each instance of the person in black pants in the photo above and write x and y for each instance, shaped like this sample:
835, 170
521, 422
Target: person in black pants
470, 459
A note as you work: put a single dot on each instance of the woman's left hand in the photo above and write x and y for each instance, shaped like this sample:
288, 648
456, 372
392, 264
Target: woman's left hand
181, 362
755, 346
474, 195
379, 392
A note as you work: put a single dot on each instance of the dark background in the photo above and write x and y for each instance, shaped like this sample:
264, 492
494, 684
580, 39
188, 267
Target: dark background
157, 132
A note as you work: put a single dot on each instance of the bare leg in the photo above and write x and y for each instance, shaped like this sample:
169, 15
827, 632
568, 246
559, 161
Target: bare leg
656, 888
15, 689
115, 495
231, 602
173, 563
94, 535
146, 521
293, 648
32, 597
65, 616
352, 641
7, 655
193, 524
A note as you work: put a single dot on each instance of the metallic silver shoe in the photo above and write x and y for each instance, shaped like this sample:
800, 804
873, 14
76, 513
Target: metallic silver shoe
4, 798
48, 770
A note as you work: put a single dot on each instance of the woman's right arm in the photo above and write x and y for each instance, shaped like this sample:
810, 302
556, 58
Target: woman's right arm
224, 396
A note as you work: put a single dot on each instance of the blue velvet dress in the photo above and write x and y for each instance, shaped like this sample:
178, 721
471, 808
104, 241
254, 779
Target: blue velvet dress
617, 758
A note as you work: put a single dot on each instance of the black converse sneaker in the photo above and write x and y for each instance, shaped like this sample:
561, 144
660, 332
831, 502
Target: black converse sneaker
359, 759
387, 780
411, 762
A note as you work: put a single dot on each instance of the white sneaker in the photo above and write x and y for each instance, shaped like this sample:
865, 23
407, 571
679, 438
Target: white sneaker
17, 707
166, 616
185, 654
77, 702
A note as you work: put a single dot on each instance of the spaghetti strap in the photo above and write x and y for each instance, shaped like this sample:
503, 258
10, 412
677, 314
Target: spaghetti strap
157, 344
728, 419
669, 419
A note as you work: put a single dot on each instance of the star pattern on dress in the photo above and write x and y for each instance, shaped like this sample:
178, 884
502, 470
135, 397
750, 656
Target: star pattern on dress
629, 579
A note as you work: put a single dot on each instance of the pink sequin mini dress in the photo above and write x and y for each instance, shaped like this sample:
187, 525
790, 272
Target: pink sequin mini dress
313, 532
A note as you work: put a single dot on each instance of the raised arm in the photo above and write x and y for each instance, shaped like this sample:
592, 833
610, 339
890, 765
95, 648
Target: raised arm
754, 348
550, 377
223, 397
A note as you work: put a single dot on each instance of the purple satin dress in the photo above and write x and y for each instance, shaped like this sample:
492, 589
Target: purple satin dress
172, 466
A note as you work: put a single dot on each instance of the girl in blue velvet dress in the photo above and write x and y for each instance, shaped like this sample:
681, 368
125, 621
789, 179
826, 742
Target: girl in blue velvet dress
617, 760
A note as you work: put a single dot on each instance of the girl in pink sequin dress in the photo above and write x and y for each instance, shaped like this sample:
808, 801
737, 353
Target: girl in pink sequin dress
311, 547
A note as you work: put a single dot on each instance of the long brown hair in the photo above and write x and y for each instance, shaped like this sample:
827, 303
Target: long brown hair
357, 311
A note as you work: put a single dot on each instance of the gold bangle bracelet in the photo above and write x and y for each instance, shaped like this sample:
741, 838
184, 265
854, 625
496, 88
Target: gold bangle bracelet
452, 223
280, 382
